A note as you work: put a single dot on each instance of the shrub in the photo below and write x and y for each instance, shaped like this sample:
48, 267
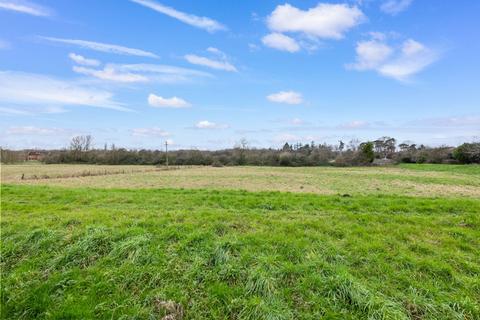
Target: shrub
468, 153
366, 154
217, 164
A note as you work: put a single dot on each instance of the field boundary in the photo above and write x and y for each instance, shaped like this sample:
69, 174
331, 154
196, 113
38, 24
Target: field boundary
105, 172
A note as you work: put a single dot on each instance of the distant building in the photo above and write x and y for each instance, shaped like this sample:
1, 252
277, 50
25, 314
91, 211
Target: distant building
34, 156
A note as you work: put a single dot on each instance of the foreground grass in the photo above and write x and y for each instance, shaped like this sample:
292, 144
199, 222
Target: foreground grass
103, 254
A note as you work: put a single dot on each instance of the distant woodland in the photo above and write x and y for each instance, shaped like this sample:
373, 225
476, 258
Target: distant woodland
381, 151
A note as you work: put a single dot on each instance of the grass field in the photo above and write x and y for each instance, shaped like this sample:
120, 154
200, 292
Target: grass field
230, 243
411, 180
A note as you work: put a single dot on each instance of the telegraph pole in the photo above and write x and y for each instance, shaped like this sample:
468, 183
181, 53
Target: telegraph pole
166, 153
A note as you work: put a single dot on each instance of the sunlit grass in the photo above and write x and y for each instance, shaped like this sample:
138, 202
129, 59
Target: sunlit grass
205, 254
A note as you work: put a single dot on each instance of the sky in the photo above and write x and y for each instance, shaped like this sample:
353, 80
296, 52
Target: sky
207, 74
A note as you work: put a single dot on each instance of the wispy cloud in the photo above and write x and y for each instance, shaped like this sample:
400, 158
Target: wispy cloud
288, 97
161, 102
13, 111
83, 61
109, 73
32, 130
205, 124
219, 63
394, 7
27, 90
472, 121
140, 73
25, 7
400, 62
150, 132
199, 22
102, 47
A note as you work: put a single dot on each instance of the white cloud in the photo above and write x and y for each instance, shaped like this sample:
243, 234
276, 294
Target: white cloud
83, 61
109, 73
205, 124
26, 7
326, 21
173, 102
199, 22
149, 132
103, 47
371, 54
31, 130
280, 42
399, 63
27, 89
394, 7
207, 62
288, 97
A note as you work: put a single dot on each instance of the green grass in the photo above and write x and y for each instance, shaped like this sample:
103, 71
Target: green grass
71, 253
452, 168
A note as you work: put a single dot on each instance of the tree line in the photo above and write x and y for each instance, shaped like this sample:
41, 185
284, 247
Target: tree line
384, 150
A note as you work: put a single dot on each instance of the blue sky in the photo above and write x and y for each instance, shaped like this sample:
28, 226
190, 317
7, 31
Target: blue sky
206, 74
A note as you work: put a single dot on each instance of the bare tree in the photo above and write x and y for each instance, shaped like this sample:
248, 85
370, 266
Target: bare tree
80, 144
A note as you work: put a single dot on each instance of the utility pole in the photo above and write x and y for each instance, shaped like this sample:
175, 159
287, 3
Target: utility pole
166, 153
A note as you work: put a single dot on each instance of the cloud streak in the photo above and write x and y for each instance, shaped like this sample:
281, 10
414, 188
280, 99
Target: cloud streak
199, 22
142, 73
25, 7
81, 60
210, 63
31, 130
102, 47
28, 89
109, 73
149, 132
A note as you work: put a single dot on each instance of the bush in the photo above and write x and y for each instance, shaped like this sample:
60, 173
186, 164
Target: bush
366, 155
468, 153
217, 164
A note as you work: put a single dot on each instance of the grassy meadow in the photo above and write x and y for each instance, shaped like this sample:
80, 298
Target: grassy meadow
135, 242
